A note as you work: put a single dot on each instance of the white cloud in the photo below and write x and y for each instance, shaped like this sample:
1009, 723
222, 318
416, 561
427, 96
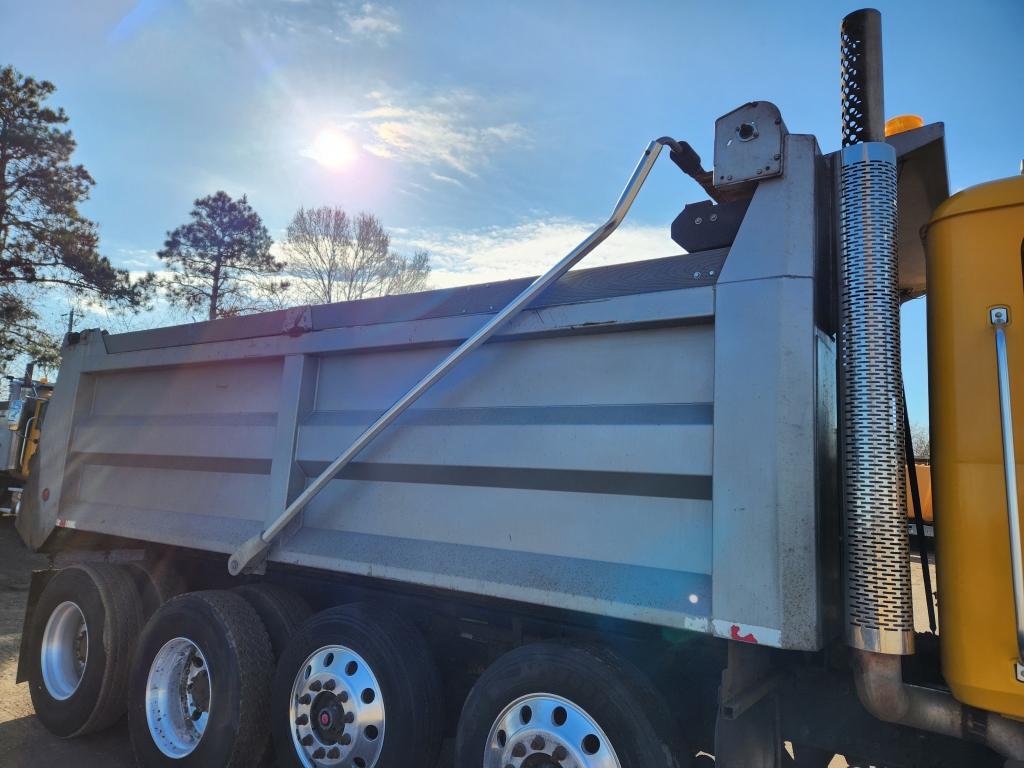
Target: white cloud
446, 179
448, 130
263, 23
372, 22
530, 248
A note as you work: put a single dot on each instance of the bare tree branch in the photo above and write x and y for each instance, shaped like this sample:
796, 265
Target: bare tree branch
338, 258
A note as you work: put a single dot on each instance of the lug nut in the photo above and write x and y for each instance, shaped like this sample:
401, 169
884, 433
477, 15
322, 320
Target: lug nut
537, 743
333, 753
315, 686
301, 719
345, 739
519, 750
305, 699
350, 717
560, 753
320, 752
307, 740
330, 685
343, 696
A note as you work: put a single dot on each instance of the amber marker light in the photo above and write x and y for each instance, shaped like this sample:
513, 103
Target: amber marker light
902, 123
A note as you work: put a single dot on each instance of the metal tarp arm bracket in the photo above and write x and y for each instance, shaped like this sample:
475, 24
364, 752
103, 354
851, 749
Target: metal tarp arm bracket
252, 553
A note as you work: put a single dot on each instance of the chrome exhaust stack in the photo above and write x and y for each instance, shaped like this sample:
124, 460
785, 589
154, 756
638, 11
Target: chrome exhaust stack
879, 605
879, 608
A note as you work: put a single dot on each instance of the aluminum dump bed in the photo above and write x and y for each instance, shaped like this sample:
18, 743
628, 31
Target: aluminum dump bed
651, 441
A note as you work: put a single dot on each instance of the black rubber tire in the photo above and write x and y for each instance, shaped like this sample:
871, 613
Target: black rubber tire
613, 692
110, 604
805, 756
404, 668
281, 611
156, 583
237, 651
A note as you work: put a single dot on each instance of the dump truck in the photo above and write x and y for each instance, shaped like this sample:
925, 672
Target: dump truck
604, 518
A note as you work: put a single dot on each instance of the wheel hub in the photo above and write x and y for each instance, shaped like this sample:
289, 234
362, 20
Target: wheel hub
337, 710
64, 651
328, 717
197, 688
541, 760
547, 731
178, 697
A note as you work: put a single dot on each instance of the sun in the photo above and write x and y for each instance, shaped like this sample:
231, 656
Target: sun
332, 149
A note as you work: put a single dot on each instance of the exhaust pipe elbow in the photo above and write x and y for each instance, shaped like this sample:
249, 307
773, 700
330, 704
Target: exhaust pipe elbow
879, 681
880, 688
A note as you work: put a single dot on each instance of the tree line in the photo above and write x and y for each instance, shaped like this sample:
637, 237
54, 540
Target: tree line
220, 263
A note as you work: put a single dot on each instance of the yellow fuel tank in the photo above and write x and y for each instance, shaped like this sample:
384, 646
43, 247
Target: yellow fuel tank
975, 247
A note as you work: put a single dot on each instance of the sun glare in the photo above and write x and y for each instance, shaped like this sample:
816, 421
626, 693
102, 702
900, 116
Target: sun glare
332, 149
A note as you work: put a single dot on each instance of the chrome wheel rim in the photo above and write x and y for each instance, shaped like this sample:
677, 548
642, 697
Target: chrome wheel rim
337, 710
64, 651
178, 697
542, 730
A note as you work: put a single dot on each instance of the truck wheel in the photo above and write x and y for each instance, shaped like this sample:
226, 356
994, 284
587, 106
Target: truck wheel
554, 704
356, 686
281, 611
806, 756
81, 640
198, 692
156, 584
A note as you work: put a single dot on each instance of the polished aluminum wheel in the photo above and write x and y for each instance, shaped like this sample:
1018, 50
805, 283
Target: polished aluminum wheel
546, 731
178, 697
337, 710
64, 651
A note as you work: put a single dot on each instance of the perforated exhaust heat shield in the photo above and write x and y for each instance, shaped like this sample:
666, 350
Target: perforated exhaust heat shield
879, 611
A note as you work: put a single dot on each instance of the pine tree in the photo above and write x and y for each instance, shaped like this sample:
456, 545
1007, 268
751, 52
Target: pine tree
44, 239
221, 259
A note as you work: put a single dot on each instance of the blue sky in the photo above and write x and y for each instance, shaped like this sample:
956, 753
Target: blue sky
491, 134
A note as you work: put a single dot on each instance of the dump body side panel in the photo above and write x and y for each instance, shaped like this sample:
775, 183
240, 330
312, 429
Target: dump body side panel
643, 443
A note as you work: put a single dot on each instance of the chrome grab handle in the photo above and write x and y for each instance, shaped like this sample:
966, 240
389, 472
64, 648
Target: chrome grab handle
999, 317
254, 548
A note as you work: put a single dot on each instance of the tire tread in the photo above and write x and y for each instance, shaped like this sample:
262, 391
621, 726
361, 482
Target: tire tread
246, 634
281, 610
123, 624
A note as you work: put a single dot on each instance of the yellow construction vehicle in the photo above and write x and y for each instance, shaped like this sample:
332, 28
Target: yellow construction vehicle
22, 417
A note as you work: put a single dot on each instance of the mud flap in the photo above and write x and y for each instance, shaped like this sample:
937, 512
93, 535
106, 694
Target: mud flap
36, 586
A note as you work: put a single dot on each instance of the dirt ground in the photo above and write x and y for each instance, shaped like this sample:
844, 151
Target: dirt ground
24, 743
